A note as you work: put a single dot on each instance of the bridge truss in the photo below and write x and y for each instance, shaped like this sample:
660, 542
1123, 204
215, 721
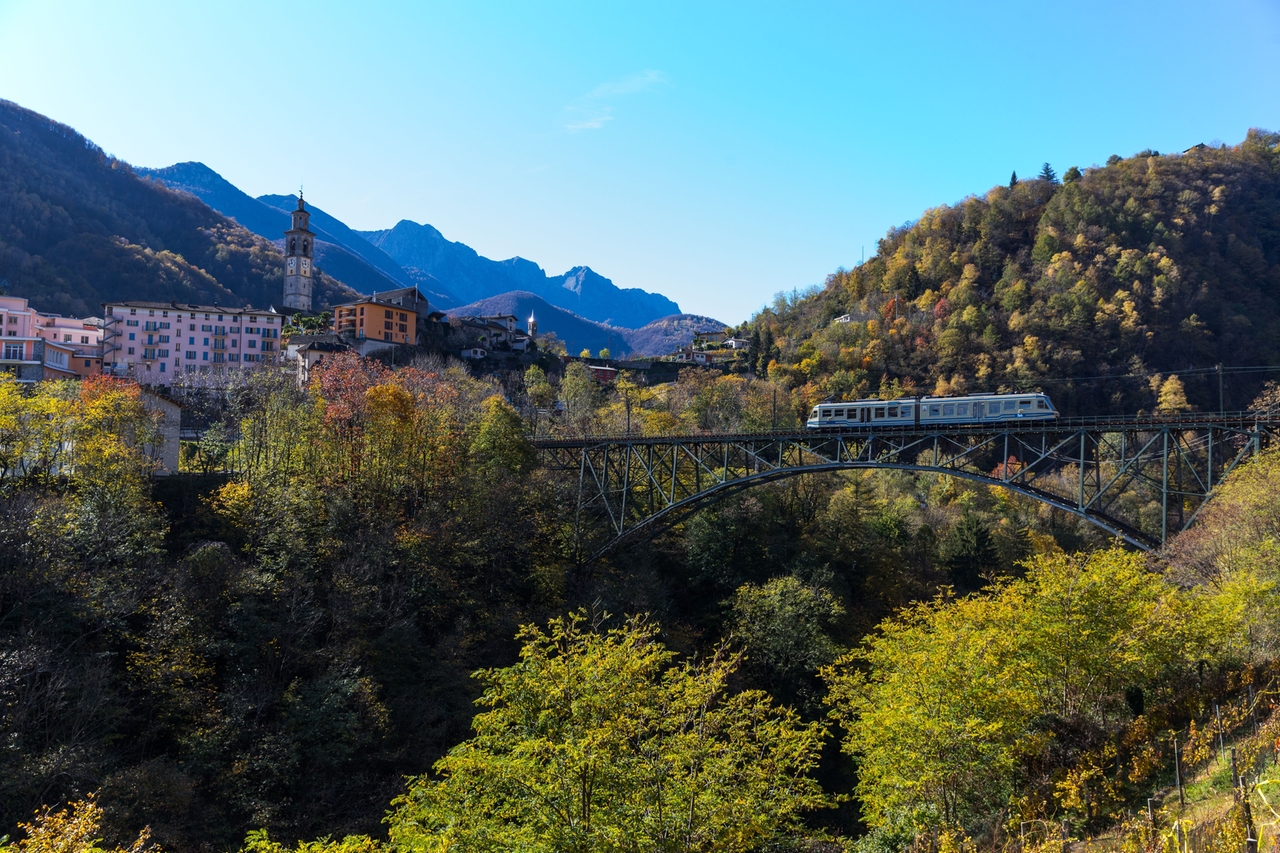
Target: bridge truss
1141, 479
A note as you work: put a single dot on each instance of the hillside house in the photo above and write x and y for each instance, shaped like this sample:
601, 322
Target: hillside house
474, 352
709, 337
602, 373
689, 355
494, 332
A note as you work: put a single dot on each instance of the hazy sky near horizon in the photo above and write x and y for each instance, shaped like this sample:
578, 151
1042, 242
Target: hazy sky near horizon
715, 152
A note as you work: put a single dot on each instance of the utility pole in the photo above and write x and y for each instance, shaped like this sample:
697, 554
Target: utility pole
1177, 774
1220, 398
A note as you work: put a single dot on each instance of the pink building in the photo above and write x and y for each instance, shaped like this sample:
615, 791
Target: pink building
24, 352
82, 337
156, 342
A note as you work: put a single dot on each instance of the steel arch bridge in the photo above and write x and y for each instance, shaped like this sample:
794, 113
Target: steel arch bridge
1142, 479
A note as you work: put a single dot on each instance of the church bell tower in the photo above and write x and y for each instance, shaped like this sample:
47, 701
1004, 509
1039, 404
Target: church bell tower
299, 249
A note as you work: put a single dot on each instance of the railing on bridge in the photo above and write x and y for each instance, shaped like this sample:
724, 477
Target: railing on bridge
1141, 478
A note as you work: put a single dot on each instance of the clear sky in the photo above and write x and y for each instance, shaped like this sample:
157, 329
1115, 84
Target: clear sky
714, 152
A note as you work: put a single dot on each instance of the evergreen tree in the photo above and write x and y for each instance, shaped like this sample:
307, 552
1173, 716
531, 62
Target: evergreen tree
1073, 174
1047, 174
969, 553
767, 350
753, 349
1013, 179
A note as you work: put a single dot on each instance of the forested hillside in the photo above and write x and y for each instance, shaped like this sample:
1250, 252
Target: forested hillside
78, 227
1138, 269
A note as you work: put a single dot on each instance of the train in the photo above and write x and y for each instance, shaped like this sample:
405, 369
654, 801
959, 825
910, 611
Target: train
932, 411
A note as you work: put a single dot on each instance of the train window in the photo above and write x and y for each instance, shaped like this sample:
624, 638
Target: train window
906, 411
838, 413
1024, 404
1040, 404
879, 411
935, 410
828, 413
893, 411
1008, 405
948, 409
962, 409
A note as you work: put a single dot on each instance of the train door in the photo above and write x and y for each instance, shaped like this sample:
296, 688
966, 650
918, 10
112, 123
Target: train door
977, 410
864, 414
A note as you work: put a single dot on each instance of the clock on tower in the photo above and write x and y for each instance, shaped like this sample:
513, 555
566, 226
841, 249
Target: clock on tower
299, 245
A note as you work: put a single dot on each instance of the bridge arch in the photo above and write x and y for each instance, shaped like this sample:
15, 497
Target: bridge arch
681, 510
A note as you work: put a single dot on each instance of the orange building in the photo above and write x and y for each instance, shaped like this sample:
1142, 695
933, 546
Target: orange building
373, 318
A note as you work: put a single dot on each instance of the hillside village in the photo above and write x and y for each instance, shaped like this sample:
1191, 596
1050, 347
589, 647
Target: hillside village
146, 340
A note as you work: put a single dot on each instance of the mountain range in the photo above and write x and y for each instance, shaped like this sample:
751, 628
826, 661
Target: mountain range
657, 337
409, 254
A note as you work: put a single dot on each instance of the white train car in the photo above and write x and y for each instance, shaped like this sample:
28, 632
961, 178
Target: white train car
930, 411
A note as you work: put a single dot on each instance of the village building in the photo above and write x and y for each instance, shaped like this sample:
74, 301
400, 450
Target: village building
602, 373
376, 318
156, 342
83, 337
26, 351
314, 350
709, 337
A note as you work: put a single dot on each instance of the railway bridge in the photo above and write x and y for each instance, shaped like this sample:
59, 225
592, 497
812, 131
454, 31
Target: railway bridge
1142, 479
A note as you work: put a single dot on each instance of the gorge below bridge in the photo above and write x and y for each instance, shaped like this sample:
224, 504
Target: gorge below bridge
1142, 479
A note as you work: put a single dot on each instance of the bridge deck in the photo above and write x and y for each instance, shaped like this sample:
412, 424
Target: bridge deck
1188, 421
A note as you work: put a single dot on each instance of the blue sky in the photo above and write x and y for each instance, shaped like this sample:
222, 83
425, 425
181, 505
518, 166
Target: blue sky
714, 152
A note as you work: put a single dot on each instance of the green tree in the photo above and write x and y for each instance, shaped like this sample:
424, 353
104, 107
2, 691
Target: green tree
605, 354
586, 353
501, 446
1013, 179
786, 628
1048, 174
969, 553
581, 395
540, 392
600, 740
214, 448
1072, 175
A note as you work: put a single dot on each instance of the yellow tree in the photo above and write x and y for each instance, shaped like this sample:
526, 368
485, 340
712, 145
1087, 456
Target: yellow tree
73, 829
601, 740
1173, 397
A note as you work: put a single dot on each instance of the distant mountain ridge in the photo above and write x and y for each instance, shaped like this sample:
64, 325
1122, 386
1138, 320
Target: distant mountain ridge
411, 254
658, 337
340, 252
470, 276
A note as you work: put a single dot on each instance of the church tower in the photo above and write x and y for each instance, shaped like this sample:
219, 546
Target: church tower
299, 249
